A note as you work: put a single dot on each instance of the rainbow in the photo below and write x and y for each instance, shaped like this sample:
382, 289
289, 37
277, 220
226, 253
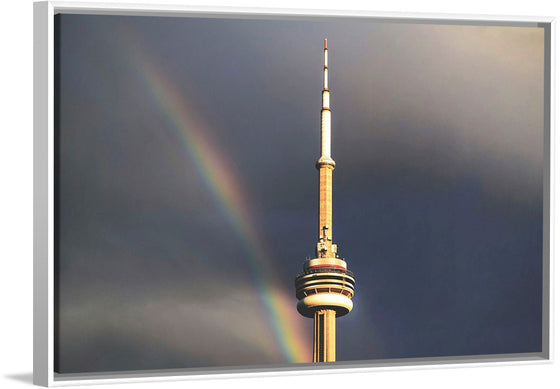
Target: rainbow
213, 167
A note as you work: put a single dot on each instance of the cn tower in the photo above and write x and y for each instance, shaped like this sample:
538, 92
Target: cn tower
326, 286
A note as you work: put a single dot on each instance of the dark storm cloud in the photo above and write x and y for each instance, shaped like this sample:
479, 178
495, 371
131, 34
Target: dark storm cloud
438, 139
155, 329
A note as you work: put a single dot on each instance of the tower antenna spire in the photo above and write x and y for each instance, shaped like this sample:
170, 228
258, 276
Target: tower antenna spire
326, 286
326, 164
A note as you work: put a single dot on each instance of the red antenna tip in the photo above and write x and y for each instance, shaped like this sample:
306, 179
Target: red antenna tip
325, 43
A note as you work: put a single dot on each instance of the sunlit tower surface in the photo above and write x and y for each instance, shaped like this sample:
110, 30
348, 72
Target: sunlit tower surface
326, 286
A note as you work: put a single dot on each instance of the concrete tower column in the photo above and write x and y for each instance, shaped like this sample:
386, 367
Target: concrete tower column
324, 325
324, 336
326, 286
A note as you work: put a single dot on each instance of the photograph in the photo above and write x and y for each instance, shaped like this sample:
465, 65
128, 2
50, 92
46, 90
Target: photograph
241, 191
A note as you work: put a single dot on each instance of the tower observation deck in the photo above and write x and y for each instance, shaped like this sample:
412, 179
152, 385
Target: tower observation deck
326, 286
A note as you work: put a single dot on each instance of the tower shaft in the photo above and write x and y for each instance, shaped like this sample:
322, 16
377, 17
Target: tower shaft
324, 336
324, 324
325, 287
325, 204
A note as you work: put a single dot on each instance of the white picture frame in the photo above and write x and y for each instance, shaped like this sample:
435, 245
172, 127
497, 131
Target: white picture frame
44, 13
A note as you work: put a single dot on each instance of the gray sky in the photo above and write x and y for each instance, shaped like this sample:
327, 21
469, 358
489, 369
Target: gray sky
187, 189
